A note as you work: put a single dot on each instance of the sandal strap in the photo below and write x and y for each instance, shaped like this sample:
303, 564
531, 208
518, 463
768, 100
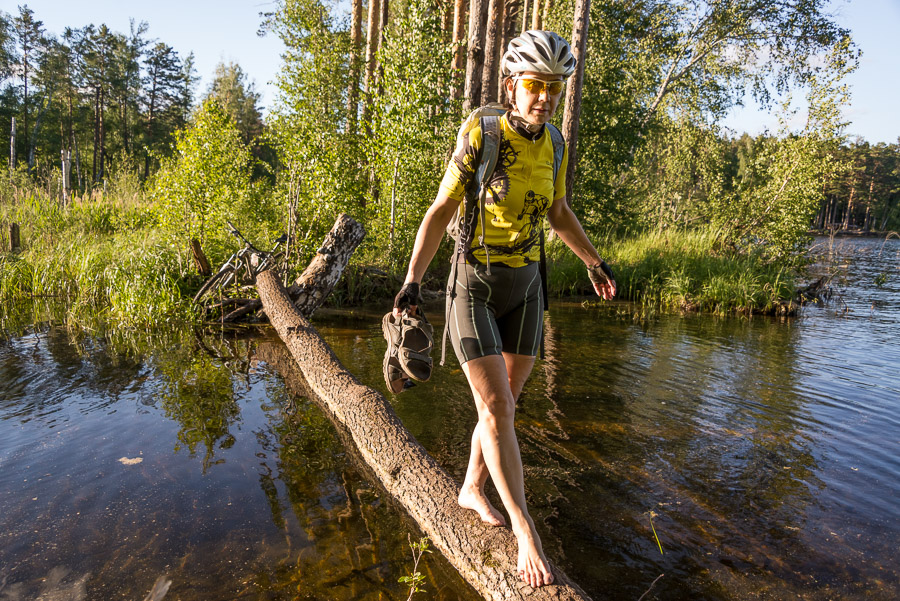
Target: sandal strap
408, 354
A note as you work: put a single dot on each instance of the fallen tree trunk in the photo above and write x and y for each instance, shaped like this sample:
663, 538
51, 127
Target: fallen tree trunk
321, 275
484, 556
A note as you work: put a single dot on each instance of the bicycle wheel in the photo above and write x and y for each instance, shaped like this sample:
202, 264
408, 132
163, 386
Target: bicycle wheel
219, 280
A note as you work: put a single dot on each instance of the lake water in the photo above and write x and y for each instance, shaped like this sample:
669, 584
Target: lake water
741, 458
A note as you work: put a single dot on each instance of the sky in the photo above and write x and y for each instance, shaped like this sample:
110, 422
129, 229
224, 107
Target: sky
226, 31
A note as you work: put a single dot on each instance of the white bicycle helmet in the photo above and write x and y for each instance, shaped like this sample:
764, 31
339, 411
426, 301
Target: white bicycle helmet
538, 51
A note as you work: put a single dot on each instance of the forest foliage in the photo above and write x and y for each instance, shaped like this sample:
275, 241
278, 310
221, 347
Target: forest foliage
369, 102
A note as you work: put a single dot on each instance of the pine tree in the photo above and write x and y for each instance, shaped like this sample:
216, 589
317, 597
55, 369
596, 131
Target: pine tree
31, 42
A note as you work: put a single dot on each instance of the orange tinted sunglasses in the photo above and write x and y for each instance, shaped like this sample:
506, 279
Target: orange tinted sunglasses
537, 87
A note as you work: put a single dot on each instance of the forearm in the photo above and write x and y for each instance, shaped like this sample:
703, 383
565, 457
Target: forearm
429, 236
569, 229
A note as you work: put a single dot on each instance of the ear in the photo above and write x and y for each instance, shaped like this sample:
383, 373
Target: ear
510, 87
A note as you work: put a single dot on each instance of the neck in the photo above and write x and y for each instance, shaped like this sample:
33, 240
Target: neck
529, 130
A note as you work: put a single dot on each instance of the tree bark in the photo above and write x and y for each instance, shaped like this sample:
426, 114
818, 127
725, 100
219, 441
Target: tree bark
548, 7
459, 21
573, 91
536, 14
321, 275
371, 48
14, 243
484, 556
355, 56
200, 260
12, 145
491, 48
447, 8
319, 278
511, 12
475, 58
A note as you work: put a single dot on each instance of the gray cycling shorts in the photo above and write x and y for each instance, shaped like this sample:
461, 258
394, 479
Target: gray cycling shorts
498, 313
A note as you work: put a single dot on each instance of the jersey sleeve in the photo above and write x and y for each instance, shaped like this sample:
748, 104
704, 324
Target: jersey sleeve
461, 168
559, 188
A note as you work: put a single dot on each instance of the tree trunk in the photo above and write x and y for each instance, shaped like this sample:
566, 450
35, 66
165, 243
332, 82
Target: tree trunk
536, 14
848, 214
525, 18
548, 7
319, 278
200, 260
12, 145
484, 556
475, 59
371, 48
48, 95
573, 91
382, 25
355, 57
102, 170
321, 275
96, 134
14, 243
491, 49
459, 21
447, 8
511, 12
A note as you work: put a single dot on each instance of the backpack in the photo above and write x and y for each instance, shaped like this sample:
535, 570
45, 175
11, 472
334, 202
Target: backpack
462, 227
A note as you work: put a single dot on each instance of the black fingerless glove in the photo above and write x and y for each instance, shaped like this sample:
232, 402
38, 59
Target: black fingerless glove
600, 274
408, 295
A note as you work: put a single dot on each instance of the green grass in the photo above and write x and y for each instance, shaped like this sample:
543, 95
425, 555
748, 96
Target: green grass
677, 270
103, 258
107, 260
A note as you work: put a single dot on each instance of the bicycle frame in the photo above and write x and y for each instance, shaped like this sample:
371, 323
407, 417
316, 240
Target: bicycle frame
249, 259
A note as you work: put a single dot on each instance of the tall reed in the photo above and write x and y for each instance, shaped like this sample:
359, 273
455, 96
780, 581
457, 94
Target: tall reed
676, 270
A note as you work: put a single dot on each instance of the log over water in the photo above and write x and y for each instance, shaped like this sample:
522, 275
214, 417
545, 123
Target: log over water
484, 556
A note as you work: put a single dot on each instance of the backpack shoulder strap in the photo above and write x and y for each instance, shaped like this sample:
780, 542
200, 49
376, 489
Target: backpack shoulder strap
490, 148
559, 148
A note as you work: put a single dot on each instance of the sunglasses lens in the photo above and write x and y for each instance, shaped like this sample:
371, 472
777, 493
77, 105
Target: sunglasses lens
533, 86
537, 87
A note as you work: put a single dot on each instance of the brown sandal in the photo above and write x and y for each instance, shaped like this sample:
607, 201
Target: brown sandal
394, 376
416, 342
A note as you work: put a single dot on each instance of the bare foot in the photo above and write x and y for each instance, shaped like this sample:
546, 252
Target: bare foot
532, 566
477, 502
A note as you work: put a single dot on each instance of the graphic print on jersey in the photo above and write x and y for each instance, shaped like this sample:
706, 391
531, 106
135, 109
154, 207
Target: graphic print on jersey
499, 182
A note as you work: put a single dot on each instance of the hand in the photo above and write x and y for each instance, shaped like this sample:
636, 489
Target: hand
603, 280
407, 298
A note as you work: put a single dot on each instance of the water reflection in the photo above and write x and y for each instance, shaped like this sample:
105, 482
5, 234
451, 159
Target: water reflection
761, 453
195, 462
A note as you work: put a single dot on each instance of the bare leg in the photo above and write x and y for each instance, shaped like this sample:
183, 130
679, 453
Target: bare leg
490, 378
471, 495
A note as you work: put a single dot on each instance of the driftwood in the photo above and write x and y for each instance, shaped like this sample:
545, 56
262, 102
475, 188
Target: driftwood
321, 275
485, 557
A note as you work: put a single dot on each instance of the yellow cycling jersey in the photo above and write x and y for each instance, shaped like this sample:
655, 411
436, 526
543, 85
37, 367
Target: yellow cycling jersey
520, 193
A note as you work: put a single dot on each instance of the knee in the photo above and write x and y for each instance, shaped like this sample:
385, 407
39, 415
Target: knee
498, 411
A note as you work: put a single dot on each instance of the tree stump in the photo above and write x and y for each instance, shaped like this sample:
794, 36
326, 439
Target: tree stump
484, 556
200, 260
14, 243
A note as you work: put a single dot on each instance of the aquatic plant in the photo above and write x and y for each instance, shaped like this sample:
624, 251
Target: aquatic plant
415, 580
